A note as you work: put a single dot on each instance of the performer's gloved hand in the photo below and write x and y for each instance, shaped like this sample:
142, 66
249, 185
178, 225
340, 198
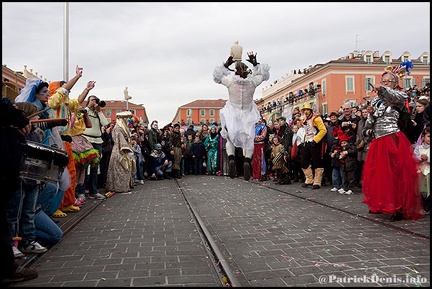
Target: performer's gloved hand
252, 58
229, 62
67, 138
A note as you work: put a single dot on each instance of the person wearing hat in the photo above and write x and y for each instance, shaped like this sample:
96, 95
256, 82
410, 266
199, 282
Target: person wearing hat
62, 106
122, 165
389, 177
240, 113
158, 163
312, 153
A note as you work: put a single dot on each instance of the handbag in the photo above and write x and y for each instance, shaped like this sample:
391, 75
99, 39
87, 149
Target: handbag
294, 150
360, 144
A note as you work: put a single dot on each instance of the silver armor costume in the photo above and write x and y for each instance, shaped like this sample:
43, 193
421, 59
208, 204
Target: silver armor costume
387, 105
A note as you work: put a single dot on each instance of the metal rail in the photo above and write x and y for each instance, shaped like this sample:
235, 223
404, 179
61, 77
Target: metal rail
231, 278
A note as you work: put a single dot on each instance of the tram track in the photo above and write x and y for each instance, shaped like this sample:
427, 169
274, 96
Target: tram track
206, 218
221, 266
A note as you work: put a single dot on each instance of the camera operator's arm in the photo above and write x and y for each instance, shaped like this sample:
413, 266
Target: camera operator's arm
87, 120
83, 95
102, 119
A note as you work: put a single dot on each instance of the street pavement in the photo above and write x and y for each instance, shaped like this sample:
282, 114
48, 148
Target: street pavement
272, 235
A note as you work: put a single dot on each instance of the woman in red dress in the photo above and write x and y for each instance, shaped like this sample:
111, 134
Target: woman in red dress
390, 183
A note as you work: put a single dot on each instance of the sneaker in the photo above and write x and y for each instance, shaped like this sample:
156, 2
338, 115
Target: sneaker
34, 247
341, 191
21, 274
141, 182
349, 192
81, 198
334, 189
97, 196
17, 253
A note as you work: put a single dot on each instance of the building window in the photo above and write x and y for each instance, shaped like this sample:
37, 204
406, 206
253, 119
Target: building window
406, 58
425, 80
212, 113
108, 112
118, 110
407, 83
425, 60
189, 112
132, 110
324, 108
203, 121
349, 80
324, 87
202, 112
368, 59
368, 80
189, 121
387, 59
212, 121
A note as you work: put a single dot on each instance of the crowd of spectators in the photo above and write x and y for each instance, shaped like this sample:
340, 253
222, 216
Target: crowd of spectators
150, 153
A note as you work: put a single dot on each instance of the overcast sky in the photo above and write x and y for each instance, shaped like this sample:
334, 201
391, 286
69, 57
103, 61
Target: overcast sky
165, 53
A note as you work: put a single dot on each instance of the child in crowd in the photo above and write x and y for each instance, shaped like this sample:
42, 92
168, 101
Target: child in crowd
337, 173
422, 154
348, 162
277, 157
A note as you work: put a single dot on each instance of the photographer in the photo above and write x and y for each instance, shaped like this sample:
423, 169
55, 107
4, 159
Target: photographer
94, 136
349, 122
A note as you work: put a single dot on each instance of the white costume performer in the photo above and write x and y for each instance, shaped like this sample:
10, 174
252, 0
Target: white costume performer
240, 114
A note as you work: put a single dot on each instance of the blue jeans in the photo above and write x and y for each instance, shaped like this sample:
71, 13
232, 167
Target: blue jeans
46, 197
47, 232
337, 177
140, 170
56, 202
21, 213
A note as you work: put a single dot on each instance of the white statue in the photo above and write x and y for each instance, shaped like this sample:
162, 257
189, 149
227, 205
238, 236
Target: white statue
126, 94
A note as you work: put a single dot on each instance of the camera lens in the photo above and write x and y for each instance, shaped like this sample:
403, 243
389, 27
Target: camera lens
102, 103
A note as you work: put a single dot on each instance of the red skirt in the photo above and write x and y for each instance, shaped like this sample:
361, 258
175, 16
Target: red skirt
389, 177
